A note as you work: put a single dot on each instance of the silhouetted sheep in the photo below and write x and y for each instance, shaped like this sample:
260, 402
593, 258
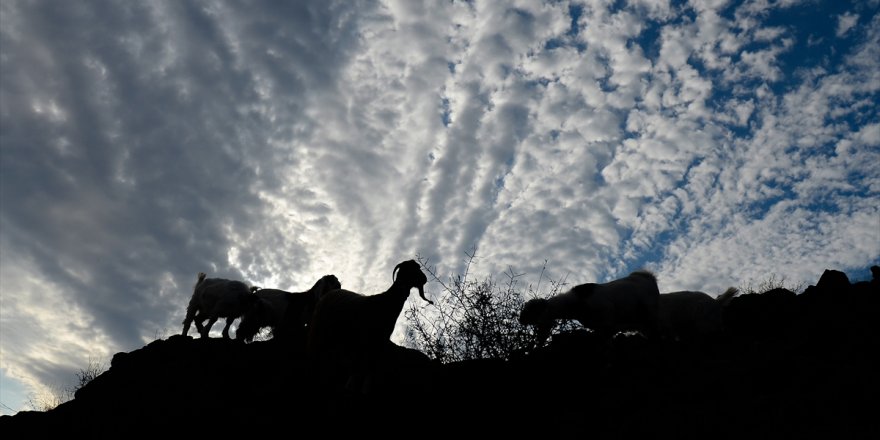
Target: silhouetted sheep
760, 315
348, 330
869, 287
215, 298
690, 315
286, 313
628, 303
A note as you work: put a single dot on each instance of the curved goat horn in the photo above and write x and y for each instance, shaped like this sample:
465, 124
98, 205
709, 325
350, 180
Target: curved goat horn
394, 272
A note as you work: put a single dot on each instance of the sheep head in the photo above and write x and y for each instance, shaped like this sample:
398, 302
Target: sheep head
410, 274
532, 312
252, 319
326, 284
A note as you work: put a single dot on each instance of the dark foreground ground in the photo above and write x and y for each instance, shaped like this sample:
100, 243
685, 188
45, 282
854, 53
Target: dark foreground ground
789, 366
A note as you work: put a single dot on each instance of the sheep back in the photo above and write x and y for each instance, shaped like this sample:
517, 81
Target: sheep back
629, 303
278, 301
224, 298
689, 315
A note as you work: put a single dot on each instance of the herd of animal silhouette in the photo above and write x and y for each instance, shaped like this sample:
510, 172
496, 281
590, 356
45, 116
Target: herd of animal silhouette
327, 318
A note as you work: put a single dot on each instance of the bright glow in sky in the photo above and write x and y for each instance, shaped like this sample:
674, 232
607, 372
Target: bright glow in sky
713, 142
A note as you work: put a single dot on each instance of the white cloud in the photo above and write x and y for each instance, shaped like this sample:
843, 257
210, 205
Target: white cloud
869, 134
845, 22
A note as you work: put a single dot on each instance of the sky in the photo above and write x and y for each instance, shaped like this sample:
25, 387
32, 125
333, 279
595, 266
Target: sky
712, 142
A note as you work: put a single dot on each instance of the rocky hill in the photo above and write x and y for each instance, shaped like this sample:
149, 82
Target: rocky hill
788, 366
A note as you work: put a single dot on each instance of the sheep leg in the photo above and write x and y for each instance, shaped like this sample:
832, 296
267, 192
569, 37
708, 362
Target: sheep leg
186, 323
190, 315
198, 321
207, 328
226, 328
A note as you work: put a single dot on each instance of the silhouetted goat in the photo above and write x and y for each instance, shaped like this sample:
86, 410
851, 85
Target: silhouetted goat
286, 313
215, 298
625, 304
348, 330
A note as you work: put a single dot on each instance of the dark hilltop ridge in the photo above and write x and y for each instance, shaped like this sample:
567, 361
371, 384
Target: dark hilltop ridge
787, 366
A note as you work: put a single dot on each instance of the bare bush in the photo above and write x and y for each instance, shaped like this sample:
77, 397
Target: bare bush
57, 395
475, 319
87, 374
48, 400
772, 281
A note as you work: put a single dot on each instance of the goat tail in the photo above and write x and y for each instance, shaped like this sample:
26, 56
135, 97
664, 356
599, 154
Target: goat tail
728, 295
201, 279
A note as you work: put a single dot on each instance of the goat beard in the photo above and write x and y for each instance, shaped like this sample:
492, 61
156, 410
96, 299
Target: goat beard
422, 294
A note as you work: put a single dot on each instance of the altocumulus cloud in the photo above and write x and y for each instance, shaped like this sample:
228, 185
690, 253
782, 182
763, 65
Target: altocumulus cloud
714, 142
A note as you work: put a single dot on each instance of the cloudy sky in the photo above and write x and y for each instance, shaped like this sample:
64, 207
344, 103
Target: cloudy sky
713, 142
